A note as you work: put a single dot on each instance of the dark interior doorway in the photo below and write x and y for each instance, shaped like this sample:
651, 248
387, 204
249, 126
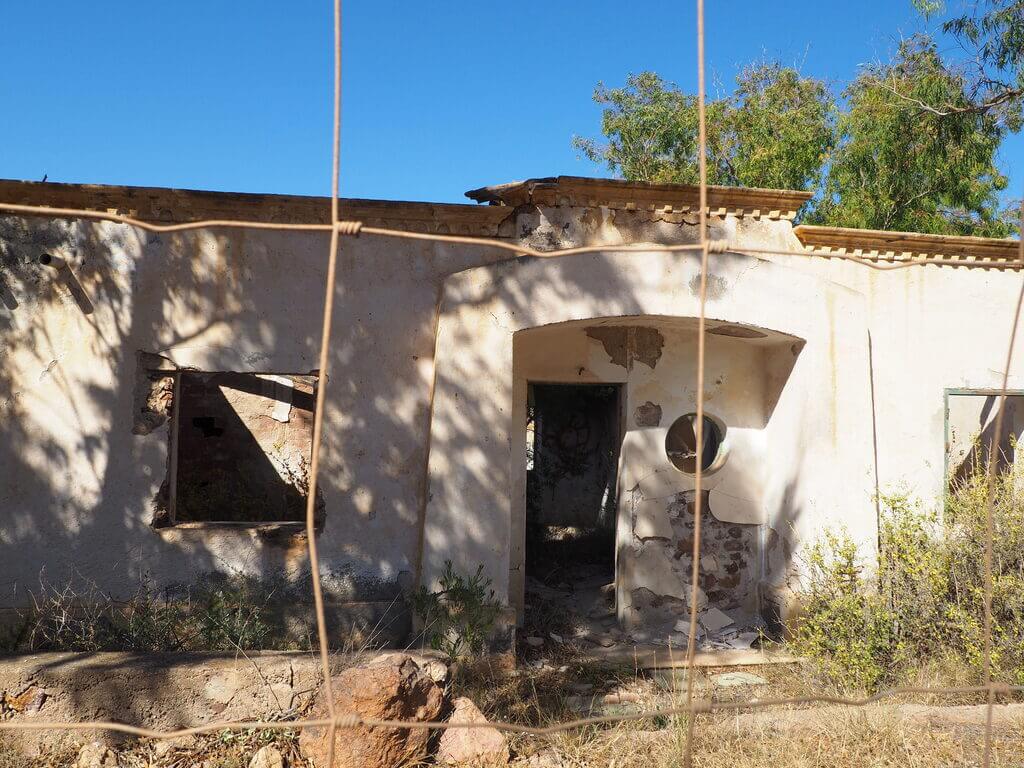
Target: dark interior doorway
574, 434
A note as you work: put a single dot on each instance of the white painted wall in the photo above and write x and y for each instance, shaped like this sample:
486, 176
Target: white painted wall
76, 484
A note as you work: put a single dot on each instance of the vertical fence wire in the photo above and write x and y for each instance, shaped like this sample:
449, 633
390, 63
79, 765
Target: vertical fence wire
698, 427
991, 471
324, 376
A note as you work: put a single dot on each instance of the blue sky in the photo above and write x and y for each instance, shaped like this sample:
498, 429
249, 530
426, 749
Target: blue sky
439, 97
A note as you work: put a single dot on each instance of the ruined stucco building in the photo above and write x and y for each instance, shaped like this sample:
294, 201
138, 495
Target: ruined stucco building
156, 391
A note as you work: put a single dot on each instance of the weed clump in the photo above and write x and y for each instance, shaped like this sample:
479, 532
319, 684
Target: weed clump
219, 614
868, 626
459, 618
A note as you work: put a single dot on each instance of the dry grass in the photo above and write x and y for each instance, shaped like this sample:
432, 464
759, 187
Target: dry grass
779, 738
225, 750
875, 737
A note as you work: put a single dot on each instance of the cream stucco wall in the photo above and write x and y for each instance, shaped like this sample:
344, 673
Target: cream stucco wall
77, 486
816, 457
424, 446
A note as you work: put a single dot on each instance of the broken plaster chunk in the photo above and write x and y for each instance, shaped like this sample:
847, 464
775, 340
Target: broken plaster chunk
702, 598
652, 569
734, 509
652, 521
683, 626
664, 484
282, 389
744, 640
713, 620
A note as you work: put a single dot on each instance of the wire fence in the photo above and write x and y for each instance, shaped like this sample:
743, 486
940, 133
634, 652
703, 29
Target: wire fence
705, 246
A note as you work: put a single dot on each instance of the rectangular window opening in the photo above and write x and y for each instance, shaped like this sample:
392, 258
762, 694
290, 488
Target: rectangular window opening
241, 447
970, 429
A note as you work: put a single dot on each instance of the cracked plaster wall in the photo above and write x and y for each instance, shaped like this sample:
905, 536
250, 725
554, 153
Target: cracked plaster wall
803, 411
84, 414
654, 359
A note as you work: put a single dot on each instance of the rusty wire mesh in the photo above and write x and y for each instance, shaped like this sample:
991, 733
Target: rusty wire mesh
704, 247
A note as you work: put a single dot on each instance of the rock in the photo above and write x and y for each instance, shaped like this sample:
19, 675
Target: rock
389, 688
95, 754
436, 670
535, 642
471, 746
713, 619
267, 757
731, 679
30, 700
556, 638
162, 749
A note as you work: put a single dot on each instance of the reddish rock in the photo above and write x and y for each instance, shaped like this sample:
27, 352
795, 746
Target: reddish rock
476, 747
389, 688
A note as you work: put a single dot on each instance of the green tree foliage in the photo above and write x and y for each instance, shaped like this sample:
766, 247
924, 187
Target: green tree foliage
775, 130
899, 165
992, 34
911, 145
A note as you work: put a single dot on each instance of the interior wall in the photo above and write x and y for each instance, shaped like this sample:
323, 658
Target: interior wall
654, 358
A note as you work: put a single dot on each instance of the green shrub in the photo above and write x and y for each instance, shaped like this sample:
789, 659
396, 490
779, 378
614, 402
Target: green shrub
458, 619
870, 625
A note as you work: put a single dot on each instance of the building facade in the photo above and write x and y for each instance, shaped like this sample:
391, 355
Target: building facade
157, 393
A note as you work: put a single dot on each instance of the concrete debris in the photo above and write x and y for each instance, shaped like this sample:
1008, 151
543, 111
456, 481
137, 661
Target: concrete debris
534, 642
471, 746
733, 679
267, 757
713, 619
556, 638
745, 640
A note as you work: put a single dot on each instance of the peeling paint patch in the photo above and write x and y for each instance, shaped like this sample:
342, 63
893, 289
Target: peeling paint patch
647, 415
717, 286
625, 344
614, 340
154, 393
49, 367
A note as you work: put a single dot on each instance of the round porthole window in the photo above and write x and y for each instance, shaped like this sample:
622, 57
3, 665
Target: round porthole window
681, 443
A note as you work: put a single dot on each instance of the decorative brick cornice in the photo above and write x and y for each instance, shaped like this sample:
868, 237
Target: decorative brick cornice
662, 199
902, 246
